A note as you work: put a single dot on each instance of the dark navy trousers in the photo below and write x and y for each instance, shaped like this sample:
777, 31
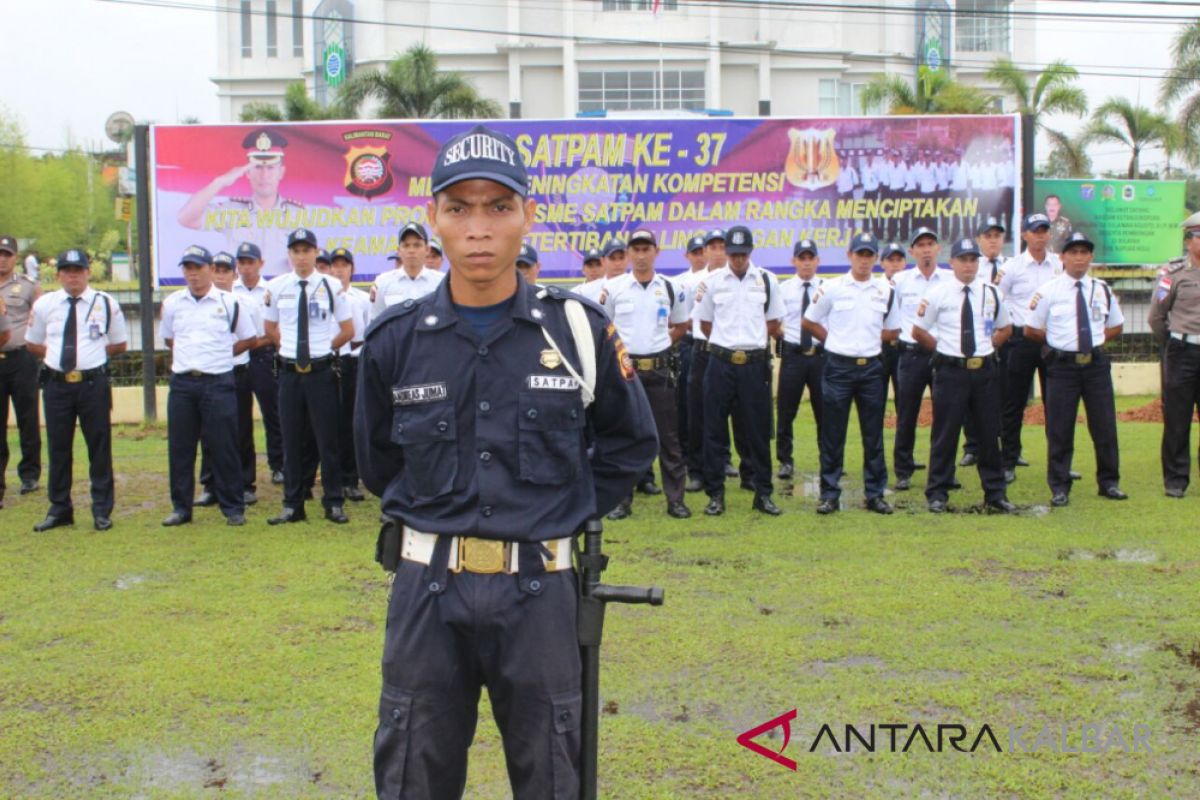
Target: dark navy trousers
266, 390
844, 381
309, 402
1066, 384
204, 409
18, 382
797, 372
1024, 359
915, 376
743, 390
959, 395
1181, 398
89, 402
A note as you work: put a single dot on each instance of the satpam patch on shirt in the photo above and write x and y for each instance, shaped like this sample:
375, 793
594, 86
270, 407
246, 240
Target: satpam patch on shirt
553, 383
624, 362
421, 393
1033, 301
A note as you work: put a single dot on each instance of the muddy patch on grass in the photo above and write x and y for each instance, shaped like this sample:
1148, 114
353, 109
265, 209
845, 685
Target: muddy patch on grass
254, 774
1123, 555
824, 667
125, 582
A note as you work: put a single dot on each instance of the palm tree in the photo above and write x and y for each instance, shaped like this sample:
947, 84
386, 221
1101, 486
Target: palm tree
297, 107
1184, 77
1053, 92
412, 87
1136, 127
1068, 156
934, 93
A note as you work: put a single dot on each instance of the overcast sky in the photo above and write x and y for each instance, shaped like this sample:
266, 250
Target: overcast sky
73, 62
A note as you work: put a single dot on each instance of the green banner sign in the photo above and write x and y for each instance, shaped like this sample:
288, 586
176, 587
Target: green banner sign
1131, 222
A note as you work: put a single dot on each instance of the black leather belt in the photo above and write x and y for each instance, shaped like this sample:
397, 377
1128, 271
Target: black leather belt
649, 363
737, 356
907, 347
76, 375
195, 373
314, 365
857, 361
795, 349
239, 369
1081, 359
974, 362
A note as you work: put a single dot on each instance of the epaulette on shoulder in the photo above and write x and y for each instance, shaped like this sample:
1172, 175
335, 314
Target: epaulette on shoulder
245, 201
1176, 264
391, 313
562, 295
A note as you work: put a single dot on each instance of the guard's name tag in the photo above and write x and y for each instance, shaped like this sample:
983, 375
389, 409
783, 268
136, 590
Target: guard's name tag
421, 393
554, 383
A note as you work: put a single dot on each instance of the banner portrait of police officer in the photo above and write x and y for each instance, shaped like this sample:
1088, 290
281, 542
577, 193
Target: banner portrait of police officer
493, 419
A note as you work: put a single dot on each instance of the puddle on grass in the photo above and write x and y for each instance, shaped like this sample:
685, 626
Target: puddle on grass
1124, 555
128, 581
157, 771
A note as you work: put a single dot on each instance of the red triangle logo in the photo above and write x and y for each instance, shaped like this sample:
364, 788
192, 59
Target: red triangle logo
746, 739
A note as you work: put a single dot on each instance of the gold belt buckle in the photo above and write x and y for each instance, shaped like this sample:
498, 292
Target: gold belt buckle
1083, 358
303, 370
860, 362
645, 364
974, 363
812, 351
74, 376
738, 357
483, 556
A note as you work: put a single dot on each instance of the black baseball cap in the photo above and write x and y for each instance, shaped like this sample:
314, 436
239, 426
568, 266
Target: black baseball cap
223, 260
196, 255
695, 243
323, 257
342, 253
480, 153
643, 235
864, 241
714, 235
435, 244
992, 223
893, 249
527, 256
302, 236
8, 244
249, 250
1079, 237
614, 246
73, 258
413, 227
739, 240
804, 246
592, 255
964, 247
1035, 222
920, 232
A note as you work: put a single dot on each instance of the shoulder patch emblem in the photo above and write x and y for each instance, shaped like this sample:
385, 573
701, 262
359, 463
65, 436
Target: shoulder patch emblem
1033, 301
267, 298
624, 362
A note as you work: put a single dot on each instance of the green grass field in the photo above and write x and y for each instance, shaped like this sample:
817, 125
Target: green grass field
205, 660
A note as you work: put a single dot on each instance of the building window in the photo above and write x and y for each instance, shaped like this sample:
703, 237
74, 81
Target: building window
839, 98
272, 30
635, 90
638, 5
247, 45
983, 26
298, 28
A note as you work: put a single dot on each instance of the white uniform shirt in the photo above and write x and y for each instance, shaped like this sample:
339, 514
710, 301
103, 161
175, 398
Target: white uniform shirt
99, 322
644, 315
792, 292
31, 266
1021, 277
911, 288
591, 289
253, 309
941, 315
1054, 312
735, 307
360, 312
871, 175
326, 310
699, 286
395, 287
854, 314
846, 179
897, 175
204, 330
927, 177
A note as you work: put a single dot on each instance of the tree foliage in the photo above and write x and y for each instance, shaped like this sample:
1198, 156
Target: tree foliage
1118, 121
934, 93
411, 86
297, 107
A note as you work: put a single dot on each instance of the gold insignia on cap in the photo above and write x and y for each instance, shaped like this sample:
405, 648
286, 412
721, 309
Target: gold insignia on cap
263, 142
550, 359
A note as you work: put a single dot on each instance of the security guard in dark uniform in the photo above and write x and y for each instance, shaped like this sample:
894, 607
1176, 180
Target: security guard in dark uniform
1175, 320
963, 322
204, 328
853, 316
1074, 315
75, 331
309, 321
476, 404
802, 357
18, 370
740, 312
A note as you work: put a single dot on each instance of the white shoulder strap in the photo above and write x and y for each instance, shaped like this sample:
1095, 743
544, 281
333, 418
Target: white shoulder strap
585, 344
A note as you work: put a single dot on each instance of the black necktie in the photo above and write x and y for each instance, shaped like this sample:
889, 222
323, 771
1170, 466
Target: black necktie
995, 268
70, 338
967, 324
302, 355
805, 336
1083, 327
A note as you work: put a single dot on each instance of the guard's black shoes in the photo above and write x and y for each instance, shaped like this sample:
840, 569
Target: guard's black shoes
763, 503
287, 515
1113, 493
917, 465
716, 505
1021, 462
954, 484
336, 514
206, 498
968, 460
235, 520
937, 506
730, 470
28, 487
1001, 506
277, 477
786, 471
1075, 476
249, 498
678, 511
1010, 475
354, 494
903, 484
176, 518
879, 505
827, 506
649, 487
102, 523
1059, 499
694, 485
54, 521
620, 512
1171, 491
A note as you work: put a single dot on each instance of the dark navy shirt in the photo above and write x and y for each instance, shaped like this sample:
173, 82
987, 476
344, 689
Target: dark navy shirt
485, 436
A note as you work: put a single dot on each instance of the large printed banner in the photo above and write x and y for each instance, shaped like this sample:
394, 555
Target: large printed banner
1131, 222
357, 183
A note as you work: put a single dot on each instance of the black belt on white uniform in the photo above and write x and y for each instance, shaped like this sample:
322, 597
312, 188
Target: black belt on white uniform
1081, 359
973, 362
791, 347
314, 364
858, 361
651, 362
738, 356
911, 346
76, 375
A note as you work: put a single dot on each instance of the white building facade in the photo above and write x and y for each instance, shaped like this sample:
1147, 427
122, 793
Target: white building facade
560, 58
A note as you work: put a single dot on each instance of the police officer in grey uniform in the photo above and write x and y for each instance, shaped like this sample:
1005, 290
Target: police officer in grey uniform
1175, 320
309, 320
18, 371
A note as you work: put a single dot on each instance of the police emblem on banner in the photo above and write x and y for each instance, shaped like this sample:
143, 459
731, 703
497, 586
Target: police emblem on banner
812, 161
368, 172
